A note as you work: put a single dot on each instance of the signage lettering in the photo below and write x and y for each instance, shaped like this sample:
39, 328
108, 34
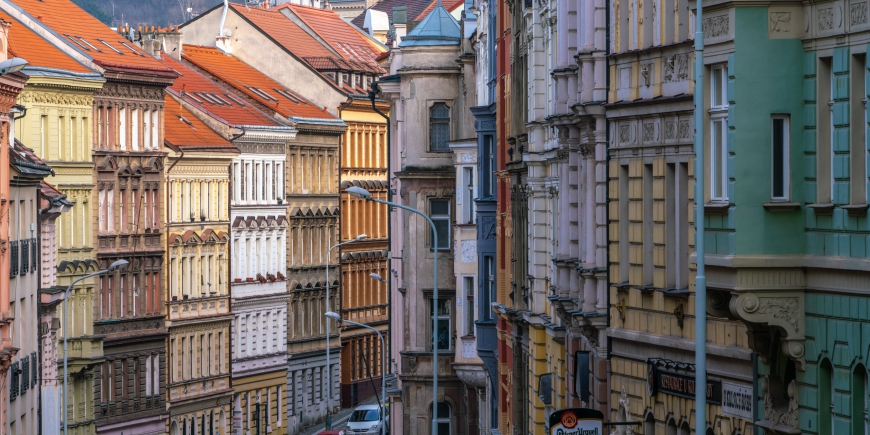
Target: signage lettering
737, 400
576, 421
680, 384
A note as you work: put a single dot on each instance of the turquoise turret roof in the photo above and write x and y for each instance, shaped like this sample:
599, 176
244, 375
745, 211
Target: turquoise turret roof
438, 28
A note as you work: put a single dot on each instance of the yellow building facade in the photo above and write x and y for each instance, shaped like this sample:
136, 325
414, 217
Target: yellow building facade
198, 384
57, 126
364, 300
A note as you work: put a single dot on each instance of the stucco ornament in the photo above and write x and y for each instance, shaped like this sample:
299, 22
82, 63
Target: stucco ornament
782, 310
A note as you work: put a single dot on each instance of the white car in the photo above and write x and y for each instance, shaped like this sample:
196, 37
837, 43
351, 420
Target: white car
366, 419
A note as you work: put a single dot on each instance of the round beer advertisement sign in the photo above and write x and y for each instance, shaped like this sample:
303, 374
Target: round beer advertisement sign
576, 421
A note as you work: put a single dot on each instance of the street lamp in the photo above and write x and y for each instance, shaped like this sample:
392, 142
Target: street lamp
359, 192
113, 267
12, 65
334, 316
377, 277
358, 238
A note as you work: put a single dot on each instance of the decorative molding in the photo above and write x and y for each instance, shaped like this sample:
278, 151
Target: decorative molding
261, 148
826, 18
780, 22
858, 13
715, 26
782, 310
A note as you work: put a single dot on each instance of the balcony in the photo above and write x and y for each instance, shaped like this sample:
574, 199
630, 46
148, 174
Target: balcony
197, 307
84, 353
252, 287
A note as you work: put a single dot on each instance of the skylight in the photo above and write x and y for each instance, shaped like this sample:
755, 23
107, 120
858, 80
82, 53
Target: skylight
288, 95
131, 48
113, 48
261, 93
76, 42
89, 44
236, 100
219, 98
192, 97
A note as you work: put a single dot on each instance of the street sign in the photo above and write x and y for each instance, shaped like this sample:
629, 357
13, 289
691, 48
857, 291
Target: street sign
576, 421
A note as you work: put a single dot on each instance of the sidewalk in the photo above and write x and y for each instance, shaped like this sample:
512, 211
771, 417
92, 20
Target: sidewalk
338, 419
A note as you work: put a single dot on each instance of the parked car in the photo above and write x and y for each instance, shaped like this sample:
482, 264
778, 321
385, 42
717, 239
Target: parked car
366, 419
331, 432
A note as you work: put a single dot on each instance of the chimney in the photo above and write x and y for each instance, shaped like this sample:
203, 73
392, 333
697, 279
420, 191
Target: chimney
400, 24
164, 42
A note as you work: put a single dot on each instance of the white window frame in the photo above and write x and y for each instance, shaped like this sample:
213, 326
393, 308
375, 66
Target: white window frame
786, 158
718, 143
468, 193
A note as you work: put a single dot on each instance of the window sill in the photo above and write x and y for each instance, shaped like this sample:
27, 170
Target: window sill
778, 206
822, 209
715, 208
856, 210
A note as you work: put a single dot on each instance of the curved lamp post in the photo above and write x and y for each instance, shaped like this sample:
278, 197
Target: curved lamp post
359, 192
358, 238
113, 267
382, 410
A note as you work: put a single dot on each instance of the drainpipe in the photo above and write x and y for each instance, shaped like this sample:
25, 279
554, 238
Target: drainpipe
223, 18
701, 278
389, 233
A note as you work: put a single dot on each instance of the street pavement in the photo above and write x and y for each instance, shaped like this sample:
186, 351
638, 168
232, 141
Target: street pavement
338, 419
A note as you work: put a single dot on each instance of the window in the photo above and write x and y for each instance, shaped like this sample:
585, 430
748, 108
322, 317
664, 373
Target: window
467, 195
439, 212
443, 333
718, 134
826, 396
468, 289
489, 295
488, 167
439, 127
780, 169
581, 375
859, 404
443, 419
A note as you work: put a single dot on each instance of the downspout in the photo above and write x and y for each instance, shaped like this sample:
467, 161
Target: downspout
389, 349
700, 278
223, 18
607, 193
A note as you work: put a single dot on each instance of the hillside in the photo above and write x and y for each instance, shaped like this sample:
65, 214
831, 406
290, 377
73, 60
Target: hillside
146, 12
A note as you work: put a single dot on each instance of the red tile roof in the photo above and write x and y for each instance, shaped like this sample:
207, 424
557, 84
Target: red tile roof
253, 83
183, 129
87, 34
415, 8
285, 32
212, 98
342, 37
26, 44
449, 5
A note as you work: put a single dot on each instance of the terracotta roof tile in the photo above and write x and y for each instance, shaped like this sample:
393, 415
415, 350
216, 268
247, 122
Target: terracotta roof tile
213, 98
253, 83
415, 8
342, 37
283, 31
449, 5
184, 129
87, 34
38, 52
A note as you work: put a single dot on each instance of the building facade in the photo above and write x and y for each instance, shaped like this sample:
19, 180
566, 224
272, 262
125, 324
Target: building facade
423, 91
27, 174
199, 391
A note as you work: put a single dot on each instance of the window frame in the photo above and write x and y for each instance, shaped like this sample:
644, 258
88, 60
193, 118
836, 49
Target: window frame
718, 114
445, 121
468, 193
469, 309
785, 158
449, 304
441, 217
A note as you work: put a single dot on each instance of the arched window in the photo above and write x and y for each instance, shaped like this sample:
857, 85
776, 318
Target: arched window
859, 400
826, 395
672, 427
443, 419
439, 127
173, 428
684, 429
649, 424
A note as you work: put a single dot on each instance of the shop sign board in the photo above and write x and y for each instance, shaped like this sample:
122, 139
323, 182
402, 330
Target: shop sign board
576, 421
680, 384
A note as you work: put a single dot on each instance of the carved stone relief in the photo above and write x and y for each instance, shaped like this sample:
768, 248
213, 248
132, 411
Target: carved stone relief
675, 68
858, 13
684, 129
670, 130
826, 18
715, 26
780, 22
649, 132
